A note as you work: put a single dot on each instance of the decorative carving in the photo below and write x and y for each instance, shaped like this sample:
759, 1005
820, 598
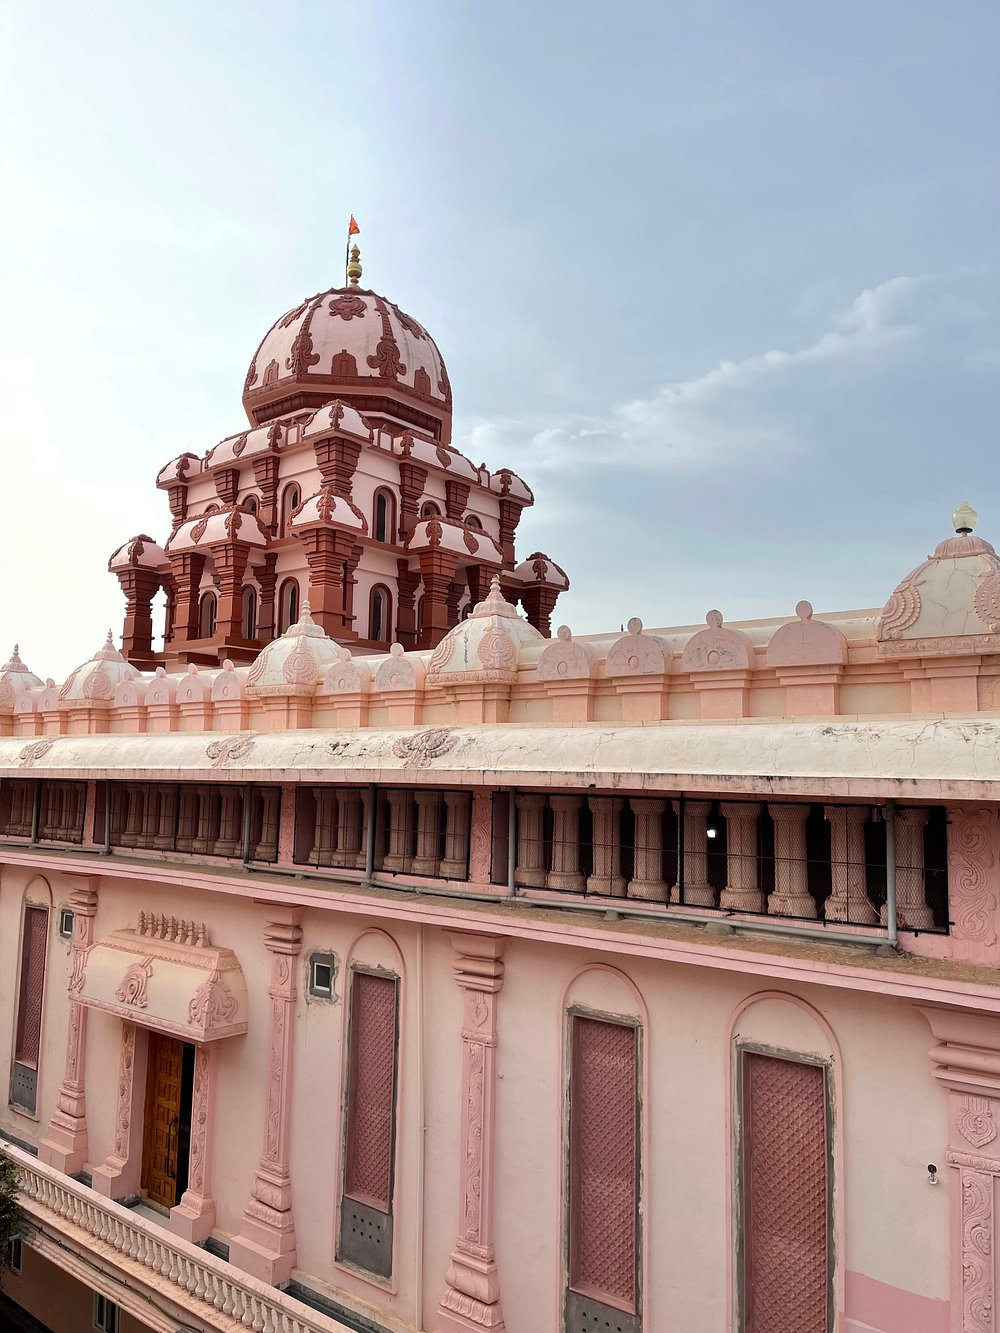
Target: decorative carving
806, 642
299, 667
902, 608
987, 600
565, 660
409, 323
125, 1070
637, 654
421, 750
977, 1251
272, 1132
200, 528
716, 648
301, 355
975, 1122
230, 748
213, 1003
173, 929
385, 358
78, 972
442, 654
474, 1146
348, 307
288, 320
972, 866
132, 987
33, 752
497, 650
199, 1120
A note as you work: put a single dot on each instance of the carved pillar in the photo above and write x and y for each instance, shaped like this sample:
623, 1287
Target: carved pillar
742, 892
539, 601
230, 560
401, 808
530, 870
456, 591
848, 900
65, 1144
267, 577
647, 881
973, 856
188, 568
337, 458
791, 896
132, 831
456, 498
194, 1217
407, 583
478, 577
606, 876
412, 478
437, 569
697, 890
510, 516
471, 1297
428, 833
330, 554
565, 872
349, 827
481, 838
119, 1176
911, 904
325, 834
367, 814
265, 1246
265, 471
208, 805
455, 862
140, 587
230, 840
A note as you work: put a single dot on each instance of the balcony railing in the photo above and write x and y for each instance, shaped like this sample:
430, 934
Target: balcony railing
51, 1200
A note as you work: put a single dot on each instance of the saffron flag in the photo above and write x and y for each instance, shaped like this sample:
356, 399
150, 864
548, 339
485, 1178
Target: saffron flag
353, 229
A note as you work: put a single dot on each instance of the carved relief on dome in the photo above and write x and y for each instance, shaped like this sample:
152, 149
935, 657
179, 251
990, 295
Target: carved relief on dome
422, 382
251, 378
346, 676
386, 359
497, 650
299, 667
271, 373
902, 608
348, 307
716, 648
288, 320
409, 323
565, 660
399, 673
637, 653
987, 600
444, 384
442, 654
301, 355
344, 366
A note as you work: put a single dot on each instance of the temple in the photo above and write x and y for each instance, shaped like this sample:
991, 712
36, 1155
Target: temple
373, 959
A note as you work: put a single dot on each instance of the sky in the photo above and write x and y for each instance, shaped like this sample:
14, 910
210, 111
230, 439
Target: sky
721, 280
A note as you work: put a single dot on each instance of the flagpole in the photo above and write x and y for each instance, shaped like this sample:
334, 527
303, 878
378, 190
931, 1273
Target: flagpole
347, 254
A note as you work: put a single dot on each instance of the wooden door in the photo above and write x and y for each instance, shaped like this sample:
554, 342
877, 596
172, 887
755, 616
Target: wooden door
161, 1126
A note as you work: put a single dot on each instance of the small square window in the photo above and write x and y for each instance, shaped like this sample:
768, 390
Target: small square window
65, 923
14, 1254
321, 974
105, 1314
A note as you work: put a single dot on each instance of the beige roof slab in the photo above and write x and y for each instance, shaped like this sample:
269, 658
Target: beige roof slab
953, 757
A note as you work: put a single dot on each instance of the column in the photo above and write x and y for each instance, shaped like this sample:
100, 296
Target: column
267, 577
350, 827
164, 838
742, 892
606, 877
565, 873
695, 888
368, 813
325, 833
848, 900
471, 1297
119, 1175
266, 830
230, 560
230, 840
132, 831
208, 800
530, 870
188, 567
397, 858
139, 586
329, 552
455, 863
194, 1217
407, 583
65, 1144
791, 896
265, 1246
912, 911
437, 569
647, 881
428, 833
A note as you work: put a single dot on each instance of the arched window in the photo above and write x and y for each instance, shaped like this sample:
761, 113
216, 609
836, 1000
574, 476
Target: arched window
249, 613
251, 504
288, 605
207, 611
380, 615
473, 521
289, 503
429, 510
385, 516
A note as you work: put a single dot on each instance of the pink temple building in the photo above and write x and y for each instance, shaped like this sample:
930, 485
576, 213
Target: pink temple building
371, 959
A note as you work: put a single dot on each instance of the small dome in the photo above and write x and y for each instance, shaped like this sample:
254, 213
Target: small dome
95, 681
15, 679
326, 506
539, 568
139, 553
296, 663
339, 418
348, 343
486, 646
950, 603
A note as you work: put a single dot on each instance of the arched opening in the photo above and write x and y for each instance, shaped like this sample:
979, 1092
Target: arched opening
384, 526
208, 610
429, 510
251, 504
288, 605
473, 521
290, 501
380, 615
249, 613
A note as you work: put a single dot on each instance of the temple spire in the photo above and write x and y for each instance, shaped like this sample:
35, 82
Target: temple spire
354, 266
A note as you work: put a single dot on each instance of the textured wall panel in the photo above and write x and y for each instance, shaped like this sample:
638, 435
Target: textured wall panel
372, 1090
29, 1008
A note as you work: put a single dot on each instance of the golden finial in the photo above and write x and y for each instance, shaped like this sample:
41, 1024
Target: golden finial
354, 267
964, 518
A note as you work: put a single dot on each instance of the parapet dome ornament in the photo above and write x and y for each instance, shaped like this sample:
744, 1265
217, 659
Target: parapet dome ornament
964, 518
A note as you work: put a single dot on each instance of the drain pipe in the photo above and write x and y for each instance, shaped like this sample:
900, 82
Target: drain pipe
512, 844
370, 834
892, 924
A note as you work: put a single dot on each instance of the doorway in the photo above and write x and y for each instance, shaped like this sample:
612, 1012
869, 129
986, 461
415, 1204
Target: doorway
166, 1130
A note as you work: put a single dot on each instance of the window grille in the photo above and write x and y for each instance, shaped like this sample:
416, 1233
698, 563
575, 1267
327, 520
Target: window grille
203, 819
27, 1037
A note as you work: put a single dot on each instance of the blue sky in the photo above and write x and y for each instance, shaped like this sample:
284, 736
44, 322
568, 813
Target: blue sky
722, 280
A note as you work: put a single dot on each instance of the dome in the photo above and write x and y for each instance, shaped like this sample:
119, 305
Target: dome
297, 662
95, 681
354, 344
484, 647
15, 678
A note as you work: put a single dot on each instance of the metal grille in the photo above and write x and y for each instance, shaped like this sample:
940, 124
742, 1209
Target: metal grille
371, 1090
786, 1197
603, 1142
29, 1007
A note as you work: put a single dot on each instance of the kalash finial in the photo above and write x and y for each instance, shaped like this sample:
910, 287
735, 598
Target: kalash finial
964, 518
354, 266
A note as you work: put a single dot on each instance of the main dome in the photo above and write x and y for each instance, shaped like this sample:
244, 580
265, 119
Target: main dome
353, 344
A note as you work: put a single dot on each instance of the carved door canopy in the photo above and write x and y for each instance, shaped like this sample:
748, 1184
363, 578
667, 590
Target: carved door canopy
165, 975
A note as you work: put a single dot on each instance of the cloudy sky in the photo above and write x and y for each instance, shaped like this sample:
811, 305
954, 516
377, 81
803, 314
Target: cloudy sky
722, 280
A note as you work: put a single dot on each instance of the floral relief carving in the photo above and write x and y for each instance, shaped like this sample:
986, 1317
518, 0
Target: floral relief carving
33, 752
474, 1147
125, 1070
78, 971
230, 748
132, 987
442, 654
299, 667
301, 355
975, 1122
977, 1251
409, 323
902, 608
385, 358
987, 600
199, 529
199, 1121
348, 307
497, 650
973, 865
213, 1003
421, 750
272, 1133
288, 320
